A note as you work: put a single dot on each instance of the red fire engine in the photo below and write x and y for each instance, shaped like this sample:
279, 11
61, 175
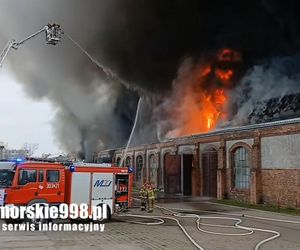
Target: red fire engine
28, 183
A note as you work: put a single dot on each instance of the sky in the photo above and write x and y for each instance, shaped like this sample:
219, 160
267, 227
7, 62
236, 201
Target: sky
24, 120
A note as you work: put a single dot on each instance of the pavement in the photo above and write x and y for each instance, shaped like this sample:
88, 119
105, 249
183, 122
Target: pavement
122, 233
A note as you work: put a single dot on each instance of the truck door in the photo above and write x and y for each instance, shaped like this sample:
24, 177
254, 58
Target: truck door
51, 185
103, 189
26, 188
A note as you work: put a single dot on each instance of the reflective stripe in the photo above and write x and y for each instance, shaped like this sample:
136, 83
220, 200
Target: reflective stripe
151, 194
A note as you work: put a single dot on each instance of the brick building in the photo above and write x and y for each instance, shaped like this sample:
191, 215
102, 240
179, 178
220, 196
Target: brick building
255, 163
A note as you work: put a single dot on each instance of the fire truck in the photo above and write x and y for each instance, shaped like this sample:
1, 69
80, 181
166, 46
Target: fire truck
28, 183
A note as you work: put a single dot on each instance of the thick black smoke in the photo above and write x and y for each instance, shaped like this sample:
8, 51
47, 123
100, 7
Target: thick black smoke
145, 42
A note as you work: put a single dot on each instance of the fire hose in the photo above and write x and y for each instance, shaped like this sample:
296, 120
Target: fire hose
236, 225
161, 221
175, 214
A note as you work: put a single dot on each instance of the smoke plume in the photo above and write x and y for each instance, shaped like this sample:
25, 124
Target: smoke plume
147, 43
276, 78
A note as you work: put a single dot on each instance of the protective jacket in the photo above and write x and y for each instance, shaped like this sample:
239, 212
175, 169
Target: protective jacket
143, 193
150, 193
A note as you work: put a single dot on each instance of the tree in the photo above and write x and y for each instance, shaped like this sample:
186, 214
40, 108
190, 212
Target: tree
46, 155
30, 148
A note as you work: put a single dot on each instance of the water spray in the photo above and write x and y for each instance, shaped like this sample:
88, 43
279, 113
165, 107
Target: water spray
105, 69
132, 131
53, 36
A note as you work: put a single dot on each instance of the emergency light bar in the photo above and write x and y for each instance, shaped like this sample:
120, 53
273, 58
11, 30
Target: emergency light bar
83, 164
72, 168
130, 169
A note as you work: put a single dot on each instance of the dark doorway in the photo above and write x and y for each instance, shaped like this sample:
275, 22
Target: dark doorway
210, 166
172, 174
187, 161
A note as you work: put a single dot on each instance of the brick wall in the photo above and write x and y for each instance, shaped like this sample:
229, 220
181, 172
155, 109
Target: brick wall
281, 186
240, 195
267, 183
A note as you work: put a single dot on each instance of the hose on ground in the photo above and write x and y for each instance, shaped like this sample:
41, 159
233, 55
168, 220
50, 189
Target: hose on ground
158, 223
173, 212
236, 225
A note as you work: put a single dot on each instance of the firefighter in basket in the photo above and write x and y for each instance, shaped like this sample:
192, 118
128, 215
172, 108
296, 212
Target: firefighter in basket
143, 197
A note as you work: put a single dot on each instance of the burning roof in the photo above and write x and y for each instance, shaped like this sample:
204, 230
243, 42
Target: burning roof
193, 59
279, 108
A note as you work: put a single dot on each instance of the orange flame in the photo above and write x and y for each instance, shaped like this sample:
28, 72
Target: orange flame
197, 108
200, 112
210, 121
206, 71
220, 96
224, 75
229, 55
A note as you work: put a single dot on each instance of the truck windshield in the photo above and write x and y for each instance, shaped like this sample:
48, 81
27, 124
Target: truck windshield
6, 178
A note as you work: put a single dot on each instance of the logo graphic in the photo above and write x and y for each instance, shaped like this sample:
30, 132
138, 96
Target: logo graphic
102, 183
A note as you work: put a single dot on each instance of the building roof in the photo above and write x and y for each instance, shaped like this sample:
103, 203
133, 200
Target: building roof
228, 130
278, 108
270, 113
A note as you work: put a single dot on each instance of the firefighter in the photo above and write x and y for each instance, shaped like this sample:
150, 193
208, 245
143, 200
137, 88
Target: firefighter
143, 197
150, 197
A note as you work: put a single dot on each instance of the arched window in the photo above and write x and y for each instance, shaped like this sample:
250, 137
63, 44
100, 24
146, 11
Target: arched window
139, 167
118, 162
241, 168
152, 161
153, 169
128, 161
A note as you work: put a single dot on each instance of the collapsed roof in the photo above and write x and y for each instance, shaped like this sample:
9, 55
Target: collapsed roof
279, 108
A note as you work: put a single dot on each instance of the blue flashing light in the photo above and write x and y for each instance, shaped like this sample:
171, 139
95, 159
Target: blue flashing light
130, 169
72, 168
19, 160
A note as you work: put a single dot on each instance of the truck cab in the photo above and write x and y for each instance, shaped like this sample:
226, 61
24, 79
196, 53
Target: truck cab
7, 173
32, 182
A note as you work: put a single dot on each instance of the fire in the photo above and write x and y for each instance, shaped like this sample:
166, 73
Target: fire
229, 55
201, 94
206, 71
220, 97
224, 75
214, 106
200, 112
199, 109
210, 121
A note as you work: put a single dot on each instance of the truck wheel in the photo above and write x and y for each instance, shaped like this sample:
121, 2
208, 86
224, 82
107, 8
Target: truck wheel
13, 221
108, 214
37, 221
